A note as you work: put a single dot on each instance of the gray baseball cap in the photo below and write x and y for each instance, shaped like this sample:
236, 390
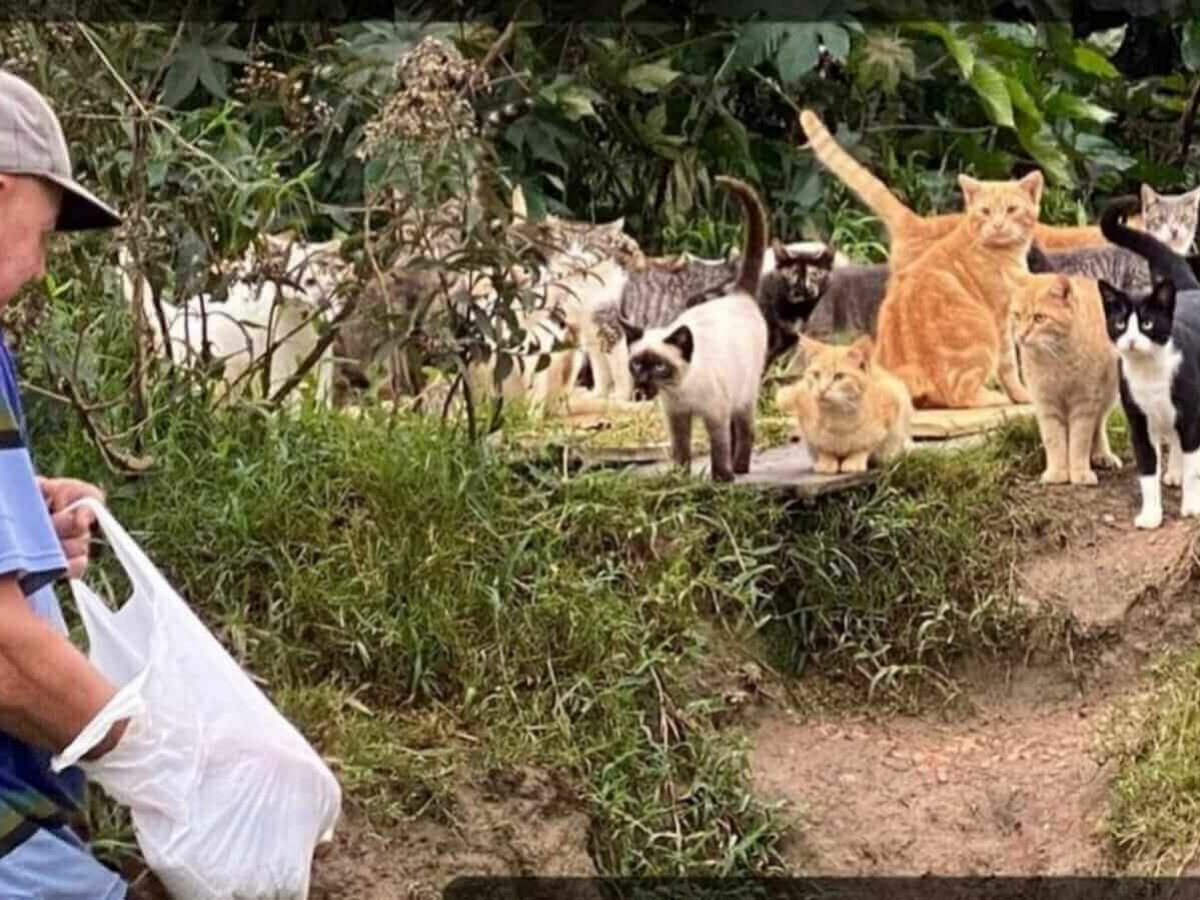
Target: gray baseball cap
32, 143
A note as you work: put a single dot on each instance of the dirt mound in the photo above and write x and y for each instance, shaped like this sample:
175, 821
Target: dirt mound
1015, 786
523, 823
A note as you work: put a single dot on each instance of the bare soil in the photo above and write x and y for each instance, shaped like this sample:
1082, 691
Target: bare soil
1015, 783
510, 824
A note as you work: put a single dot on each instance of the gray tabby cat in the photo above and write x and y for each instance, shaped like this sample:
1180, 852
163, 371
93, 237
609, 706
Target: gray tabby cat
793, 279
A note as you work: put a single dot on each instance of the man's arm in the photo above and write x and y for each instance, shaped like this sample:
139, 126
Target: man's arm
48, 689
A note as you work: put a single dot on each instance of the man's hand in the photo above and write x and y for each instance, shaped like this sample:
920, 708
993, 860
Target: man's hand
74, 528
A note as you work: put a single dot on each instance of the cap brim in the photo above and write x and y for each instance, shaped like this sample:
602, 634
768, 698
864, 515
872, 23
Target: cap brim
81, 210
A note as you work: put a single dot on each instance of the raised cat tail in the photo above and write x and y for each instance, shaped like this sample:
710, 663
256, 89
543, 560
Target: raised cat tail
873, 192
1163, 261
757, 235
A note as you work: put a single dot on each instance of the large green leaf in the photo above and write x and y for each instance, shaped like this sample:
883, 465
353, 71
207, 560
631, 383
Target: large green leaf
989, 85
1190, 46
1043, 147
756, 43
960, 49
182, 77
1086, 59
836, 40
1072, 107
798, 53
1021, 98
1102, 152
650, 78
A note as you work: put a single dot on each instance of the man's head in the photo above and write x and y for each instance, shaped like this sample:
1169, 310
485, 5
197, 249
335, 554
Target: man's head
38, 195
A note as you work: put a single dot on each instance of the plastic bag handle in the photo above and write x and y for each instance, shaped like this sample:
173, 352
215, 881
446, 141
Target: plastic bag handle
136, 564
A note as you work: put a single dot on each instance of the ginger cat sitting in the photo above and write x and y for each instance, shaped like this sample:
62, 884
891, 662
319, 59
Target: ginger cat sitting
1071, 366
850, 411
944, 326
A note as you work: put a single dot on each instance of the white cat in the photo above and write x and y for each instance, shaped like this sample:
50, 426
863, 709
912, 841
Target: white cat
254, 318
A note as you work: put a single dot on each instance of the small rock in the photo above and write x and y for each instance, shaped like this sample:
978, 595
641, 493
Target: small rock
942, 777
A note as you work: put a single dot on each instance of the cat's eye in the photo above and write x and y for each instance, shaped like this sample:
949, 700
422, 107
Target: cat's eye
1147, 327
1039, 318
987, 210
1010, 209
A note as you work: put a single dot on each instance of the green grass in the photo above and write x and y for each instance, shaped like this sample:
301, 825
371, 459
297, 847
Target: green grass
1153, 823
419, 607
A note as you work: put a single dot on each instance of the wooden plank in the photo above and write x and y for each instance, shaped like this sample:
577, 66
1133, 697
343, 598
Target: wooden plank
788, 469
940, 424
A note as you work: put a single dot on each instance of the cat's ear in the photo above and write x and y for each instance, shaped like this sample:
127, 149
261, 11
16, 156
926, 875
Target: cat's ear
633, 333
1062, 289
616, 226
1149, 196
681, 339
860, 352
779, 251
1032, 184
1163, 295
1109, 294
1193, 196
970, 188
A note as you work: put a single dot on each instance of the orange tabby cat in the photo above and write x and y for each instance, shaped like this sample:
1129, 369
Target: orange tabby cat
945, 323
910, 234
849, 410
1071, 367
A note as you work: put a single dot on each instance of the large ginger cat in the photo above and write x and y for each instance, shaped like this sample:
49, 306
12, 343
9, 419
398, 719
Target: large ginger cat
1071, 367
850, 411
945, 324
910, 234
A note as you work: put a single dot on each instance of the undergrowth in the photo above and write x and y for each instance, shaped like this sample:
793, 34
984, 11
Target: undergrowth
416, 604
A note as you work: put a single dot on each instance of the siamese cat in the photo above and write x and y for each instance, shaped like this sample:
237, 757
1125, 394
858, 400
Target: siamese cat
709, 361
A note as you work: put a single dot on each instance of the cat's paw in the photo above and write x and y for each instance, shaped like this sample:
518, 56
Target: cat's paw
1190, 507
1087, 477
1148, 518
1173, 478
1107, 461
826, 466
722, 475
1020, 395
1055, 476
853, 464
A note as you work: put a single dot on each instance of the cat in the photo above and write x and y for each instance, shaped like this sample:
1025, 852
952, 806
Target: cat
793, 278
1158, 338
1171, 218
1071, 369
850, 411
944, 327
709, 361
910, 234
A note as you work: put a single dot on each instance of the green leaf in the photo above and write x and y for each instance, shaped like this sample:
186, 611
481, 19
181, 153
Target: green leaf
650, 78
836, 40
1042, 146
1190, 46
798, 52
1102, 152
229, 54
1021, 99
1071, 107
1091, 61
213, 76
989, 85
756, 43
960, 49
181, 79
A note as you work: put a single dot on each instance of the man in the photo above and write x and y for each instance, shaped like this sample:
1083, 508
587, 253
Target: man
48, 689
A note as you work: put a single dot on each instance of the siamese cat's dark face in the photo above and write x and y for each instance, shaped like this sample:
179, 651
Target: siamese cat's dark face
658, 363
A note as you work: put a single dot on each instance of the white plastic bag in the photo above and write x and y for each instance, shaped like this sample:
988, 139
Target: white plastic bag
228, 800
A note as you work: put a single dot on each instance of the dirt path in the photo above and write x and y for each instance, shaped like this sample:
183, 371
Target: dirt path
1014, 786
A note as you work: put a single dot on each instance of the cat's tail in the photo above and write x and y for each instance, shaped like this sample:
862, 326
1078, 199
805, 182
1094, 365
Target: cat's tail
755, 245
1163, 261
872, 191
